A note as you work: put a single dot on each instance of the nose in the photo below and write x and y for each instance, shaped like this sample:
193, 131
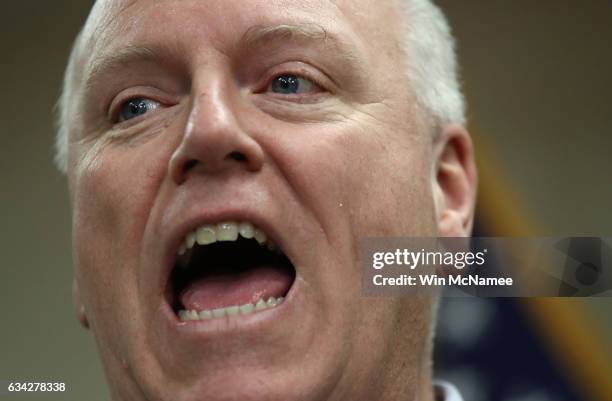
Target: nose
213, 140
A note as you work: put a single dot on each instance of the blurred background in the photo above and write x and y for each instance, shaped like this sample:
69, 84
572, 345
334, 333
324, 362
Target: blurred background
537, 77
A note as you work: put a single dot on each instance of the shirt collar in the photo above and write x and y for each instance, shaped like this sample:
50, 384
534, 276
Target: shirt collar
445, 391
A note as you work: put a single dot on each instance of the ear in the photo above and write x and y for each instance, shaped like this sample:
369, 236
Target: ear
454, 180
79, 308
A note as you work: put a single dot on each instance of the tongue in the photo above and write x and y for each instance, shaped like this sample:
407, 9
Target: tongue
222, 290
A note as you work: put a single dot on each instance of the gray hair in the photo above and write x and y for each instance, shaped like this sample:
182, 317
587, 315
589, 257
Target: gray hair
432, 72
432, 65
62, 109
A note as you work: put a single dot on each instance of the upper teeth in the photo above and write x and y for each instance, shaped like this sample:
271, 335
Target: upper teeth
224, 231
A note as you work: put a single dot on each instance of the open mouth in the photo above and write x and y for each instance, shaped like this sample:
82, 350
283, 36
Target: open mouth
228, 269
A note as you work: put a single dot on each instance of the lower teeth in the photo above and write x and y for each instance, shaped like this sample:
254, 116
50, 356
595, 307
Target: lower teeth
246, 309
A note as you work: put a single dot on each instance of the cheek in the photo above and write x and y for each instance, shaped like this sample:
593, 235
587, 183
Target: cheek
112, 195
369, 182
357, 182
392, 187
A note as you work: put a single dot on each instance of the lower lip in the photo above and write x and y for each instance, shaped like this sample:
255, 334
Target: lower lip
230, 325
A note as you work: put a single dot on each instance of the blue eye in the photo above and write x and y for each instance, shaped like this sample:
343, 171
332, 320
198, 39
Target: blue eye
289, 84
136, 107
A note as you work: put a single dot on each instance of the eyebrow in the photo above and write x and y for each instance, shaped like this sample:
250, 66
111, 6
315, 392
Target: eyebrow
103, 63
257, 36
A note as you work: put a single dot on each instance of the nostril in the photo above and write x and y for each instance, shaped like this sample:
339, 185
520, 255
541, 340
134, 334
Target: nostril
190, 164
237, 156
212, 165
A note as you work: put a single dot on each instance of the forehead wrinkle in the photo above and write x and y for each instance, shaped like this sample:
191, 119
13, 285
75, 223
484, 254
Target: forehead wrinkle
254, 37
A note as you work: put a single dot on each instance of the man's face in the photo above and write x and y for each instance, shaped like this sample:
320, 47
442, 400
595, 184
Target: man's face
293, 116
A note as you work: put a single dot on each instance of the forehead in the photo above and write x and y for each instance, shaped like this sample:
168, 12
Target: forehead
114, 23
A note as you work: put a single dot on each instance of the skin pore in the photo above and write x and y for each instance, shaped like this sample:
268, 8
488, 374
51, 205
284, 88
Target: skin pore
296, 115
